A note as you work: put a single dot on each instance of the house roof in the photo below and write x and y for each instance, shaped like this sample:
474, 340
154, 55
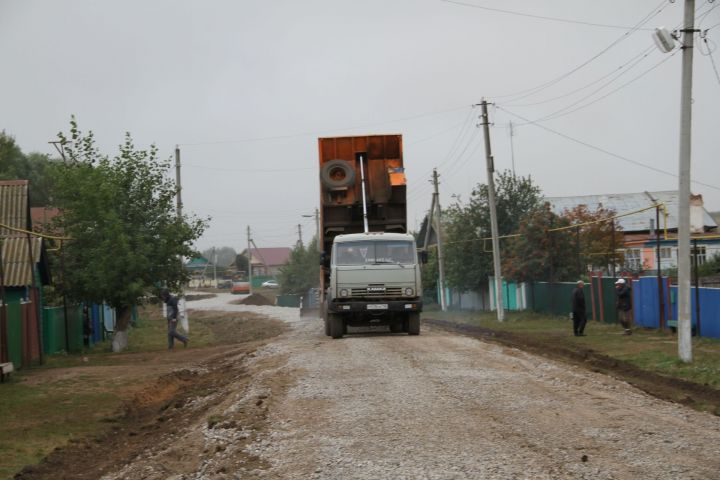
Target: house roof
16, 262
42, 216
13, 206
197, 263
628, 202
270, 257
15, 213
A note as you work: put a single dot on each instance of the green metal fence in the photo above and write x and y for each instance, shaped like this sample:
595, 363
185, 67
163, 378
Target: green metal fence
54, 329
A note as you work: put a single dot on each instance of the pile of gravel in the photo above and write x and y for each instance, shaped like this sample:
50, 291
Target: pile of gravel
255, 299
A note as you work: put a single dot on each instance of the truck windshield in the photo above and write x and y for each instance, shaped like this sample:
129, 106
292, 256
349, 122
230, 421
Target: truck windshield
397, 252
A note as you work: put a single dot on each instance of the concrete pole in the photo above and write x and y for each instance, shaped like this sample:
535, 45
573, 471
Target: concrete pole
684, 319
438, 233
317, 230
177, 181
249, 257
493, 214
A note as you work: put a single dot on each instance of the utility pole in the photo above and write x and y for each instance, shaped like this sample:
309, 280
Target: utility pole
512, 147
317, 229
438, 233
658, 260
215, 266
300, 242
177, 181
249, 258
684, 320
493, 215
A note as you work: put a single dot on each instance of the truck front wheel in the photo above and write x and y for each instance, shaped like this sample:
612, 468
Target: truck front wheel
413, 324
337, 325
325, 319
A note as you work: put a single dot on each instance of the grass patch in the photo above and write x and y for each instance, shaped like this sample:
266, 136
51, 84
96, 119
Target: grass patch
37, 419
649, 350
79, 396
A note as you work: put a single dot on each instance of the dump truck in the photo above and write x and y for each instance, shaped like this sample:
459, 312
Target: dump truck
370, 272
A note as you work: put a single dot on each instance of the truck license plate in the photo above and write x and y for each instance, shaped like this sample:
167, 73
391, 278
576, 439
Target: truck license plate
377, 306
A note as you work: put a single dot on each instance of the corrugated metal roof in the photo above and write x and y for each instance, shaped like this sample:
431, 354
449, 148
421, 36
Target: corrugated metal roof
15, 213
16, 263
13, 205
628, 202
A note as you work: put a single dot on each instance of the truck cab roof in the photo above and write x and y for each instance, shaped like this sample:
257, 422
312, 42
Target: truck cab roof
355, 237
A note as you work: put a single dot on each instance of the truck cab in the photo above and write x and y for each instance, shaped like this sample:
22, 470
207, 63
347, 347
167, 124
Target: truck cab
374, 280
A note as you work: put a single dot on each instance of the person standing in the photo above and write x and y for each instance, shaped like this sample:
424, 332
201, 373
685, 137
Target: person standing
624, 305
579, 316
173, 313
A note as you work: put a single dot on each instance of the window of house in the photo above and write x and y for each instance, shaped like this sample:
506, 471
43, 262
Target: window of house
666, 253
701, 254
633, 259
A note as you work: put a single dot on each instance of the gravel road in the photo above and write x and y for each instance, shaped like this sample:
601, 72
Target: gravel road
441, 406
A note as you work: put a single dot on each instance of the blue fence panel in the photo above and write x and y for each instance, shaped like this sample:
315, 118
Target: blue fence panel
709, 310
95, 320
709, 313
646, 307
108, 318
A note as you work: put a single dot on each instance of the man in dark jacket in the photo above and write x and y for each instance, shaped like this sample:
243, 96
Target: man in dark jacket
579, 316
624, 305
173, 312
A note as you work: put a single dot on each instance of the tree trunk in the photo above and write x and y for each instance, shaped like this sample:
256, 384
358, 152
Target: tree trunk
122, 324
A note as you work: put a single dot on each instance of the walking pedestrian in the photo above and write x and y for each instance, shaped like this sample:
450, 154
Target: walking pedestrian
579, 316
172, 318
624, 305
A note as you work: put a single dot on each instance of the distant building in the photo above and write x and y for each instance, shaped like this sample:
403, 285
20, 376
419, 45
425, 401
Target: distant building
639, 229
268, 261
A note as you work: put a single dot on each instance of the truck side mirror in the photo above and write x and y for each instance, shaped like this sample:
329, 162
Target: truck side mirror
423, 256
324, 260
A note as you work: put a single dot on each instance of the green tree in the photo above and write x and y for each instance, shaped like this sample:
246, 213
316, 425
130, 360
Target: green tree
34, 167
302, 271
241, 263
598, 248
127, 239
468, 258
539, 253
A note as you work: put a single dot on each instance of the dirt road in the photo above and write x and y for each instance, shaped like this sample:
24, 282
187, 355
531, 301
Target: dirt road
437, 406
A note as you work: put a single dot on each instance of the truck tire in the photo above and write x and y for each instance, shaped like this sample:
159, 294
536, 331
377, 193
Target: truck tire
325, 319
337, 325
413, 323
337, 174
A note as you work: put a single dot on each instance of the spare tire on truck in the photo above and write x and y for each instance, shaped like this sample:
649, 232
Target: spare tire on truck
337, 174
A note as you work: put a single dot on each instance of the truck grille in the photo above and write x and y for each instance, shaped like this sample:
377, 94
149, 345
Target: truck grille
387, 292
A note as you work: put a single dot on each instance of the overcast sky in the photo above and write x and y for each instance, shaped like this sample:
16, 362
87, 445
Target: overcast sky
245, 88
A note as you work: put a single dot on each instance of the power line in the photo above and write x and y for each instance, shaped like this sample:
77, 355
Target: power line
559, 113
709, 54
322, 132
249, 170
602, 150
613, 72
538, 88
542, 17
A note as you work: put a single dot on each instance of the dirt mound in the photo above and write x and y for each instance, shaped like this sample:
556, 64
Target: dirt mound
256, 299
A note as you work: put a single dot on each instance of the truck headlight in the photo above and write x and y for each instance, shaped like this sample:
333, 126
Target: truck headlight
344, 292
409, 292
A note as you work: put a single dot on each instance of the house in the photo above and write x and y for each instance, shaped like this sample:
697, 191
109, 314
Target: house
24, 268
640, 232
268, 261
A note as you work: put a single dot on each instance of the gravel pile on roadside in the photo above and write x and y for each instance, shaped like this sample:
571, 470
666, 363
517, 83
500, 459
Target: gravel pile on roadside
255, 299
